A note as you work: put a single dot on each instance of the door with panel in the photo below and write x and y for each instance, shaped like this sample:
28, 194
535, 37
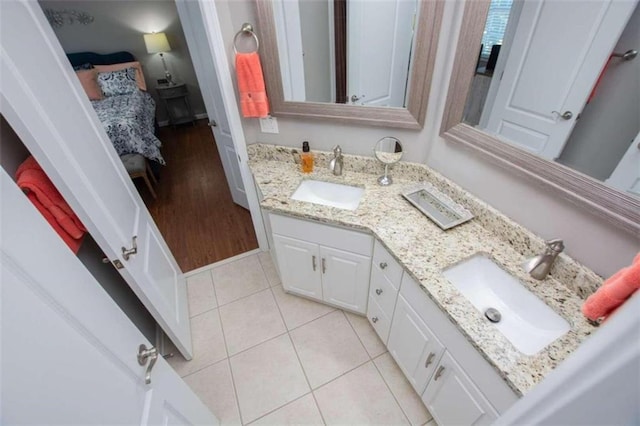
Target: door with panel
202, 56
557, 53
299, 265
69, 354
53, 117
345, 278
413, 345
453, 399
379, 37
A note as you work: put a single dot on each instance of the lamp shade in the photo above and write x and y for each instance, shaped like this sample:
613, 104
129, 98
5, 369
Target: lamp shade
156, 43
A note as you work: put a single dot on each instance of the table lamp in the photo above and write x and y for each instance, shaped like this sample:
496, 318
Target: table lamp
158, 43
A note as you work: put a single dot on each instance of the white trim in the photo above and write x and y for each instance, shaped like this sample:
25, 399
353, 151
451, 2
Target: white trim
200, 116
212, 25
222, 262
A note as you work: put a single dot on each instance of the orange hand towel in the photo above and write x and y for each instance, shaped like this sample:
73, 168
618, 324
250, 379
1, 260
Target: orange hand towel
253, 95
614, 292
49, 202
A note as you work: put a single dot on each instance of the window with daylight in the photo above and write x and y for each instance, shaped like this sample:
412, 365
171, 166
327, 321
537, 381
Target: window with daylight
494, 29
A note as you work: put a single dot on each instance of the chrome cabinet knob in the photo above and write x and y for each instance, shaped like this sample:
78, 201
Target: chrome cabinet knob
374, 320
383, 265
378, 291
430, 358
439, 372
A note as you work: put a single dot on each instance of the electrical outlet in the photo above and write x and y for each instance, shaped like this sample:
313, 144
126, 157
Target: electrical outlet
269, 125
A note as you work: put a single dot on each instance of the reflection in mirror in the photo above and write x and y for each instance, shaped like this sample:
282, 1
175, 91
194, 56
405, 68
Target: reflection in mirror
552, 79
307, 76
347, 51
388, 151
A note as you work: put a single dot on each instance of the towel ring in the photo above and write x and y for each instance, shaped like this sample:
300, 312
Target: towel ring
246, 28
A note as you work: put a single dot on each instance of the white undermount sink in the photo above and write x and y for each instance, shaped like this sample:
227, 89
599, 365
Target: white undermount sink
526, 321
329, 194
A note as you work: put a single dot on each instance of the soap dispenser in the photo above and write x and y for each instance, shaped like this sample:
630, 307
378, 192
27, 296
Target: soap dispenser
306, 158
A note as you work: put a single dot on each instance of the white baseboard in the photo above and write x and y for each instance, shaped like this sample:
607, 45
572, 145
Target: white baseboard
200, 116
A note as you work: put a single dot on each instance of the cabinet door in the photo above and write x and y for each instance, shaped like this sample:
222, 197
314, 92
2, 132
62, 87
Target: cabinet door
453, 399
413, 345
345, 278
299, 265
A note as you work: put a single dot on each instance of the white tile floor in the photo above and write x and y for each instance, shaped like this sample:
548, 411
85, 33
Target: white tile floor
262, 356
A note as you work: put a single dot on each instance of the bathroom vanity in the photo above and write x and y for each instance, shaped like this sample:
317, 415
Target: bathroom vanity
387, 260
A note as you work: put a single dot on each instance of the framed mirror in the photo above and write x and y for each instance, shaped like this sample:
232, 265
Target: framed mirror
547, 94
350, 60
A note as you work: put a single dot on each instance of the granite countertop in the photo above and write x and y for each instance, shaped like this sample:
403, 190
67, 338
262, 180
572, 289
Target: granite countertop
424, 250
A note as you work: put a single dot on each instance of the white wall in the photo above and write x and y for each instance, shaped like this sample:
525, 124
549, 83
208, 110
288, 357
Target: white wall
119, 25
588, 239
610, 122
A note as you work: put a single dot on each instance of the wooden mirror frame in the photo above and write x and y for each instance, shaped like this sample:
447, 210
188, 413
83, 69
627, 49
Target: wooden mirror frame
412, 117
614, 206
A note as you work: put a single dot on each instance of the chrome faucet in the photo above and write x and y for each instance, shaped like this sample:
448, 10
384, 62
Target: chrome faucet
539, 266
336, 163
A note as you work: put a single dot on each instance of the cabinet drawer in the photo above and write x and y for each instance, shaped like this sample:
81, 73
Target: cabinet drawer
380, 322
172, 92
326, 235
383, 292
386, 264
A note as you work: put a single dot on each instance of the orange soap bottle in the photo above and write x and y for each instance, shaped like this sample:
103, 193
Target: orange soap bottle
306, 158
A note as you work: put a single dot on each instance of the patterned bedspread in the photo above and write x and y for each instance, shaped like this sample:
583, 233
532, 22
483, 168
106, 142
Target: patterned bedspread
128, 120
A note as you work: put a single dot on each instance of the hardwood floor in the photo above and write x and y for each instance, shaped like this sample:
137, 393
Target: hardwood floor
194, 210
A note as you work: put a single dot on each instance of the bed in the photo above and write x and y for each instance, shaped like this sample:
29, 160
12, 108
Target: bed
128, 119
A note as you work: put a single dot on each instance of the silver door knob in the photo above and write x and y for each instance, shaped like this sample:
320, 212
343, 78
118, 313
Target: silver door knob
145, 354
126, 253
567, 115
213, 123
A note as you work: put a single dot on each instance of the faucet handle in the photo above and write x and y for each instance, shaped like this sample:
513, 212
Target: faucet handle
556, 245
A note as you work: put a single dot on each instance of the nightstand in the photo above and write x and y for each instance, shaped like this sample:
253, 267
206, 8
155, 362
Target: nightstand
176, 102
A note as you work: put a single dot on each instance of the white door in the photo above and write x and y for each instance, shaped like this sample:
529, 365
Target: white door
453, 399
557, 53
286, 16
626, 176
345, 278
68, 351
52, 115
202, 56
299, 265
414, 347
379, 38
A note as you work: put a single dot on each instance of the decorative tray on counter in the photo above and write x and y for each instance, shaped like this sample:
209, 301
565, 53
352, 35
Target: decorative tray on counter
438, 207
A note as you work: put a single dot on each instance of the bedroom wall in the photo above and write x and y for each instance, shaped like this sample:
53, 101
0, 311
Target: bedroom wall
119, 25
588, 239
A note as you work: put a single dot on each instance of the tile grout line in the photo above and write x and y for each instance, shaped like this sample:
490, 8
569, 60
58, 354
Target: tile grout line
389, 387
277, 408
295, 350
357, 335
226, 349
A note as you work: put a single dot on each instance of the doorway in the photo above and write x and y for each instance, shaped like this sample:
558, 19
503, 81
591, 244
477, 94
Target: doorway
194, 206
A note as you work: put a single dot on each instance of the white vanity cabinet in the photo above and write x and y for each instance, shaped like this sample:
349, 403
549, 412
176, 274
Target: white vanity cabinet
323, 262
453, 399
457, 385
386, 275
413, 345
